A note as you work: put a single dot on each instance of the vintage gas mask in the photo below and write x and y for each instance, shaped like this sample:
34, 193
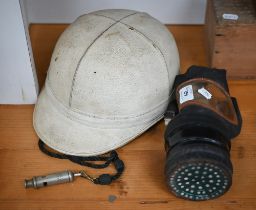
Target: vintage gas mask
201, 120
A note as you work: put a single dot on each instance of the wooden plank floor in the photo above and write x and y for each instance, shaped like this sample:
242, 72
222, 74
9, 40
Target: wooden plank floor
142, 185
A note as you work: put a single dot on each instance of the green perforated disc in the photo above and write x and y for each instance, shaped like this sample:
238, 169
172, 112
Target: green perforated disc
199, 181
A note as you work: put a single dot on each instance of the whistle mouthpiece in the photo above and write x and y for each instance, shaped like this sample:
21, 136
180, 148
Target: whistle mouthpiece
51, 179
28, 183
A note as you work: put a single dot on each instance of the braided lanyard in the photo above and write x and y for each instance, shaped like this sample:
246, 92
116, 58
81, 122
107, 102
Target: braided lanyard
103, 179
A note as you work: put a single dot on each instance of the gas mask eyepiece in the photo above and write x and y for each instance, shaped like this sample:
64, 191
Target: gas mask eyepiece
201, 120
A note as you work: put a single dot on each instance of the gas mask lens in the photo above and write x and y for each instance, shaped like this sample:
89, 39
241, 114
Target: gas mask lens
201, 120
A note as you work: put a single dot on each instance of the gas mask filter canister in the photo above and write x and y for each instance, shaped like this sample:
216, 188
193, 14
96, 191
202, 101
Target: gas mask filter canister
201, 120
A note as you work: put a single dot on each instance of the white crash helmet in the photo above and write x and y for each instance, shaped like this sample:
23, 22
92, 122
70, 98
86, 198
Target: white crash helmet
109, 80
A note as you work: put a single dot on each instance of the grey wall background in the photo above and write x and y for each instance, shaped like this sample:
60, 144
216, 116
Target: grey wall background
18, 81
65, 11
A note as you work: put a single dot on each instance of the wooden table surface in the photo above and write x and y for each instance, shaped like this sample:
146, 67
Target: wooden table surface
142, 185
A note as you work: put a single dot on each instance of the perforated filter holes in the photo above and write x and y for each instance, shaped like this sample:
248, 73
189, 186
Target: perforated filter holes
199, 181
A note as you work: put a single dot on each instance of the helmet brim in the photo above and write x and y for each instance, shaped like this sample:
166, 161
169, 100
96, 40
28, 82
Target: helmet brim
72, 137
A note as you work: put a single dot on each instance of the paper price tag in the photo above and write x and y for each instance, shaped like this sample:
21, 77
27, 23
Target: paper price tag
205, 93
230, 16
186, 94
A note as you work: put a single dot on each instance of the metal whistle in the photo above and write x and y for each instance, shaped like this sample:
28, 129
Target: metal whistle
51, 179
56, 178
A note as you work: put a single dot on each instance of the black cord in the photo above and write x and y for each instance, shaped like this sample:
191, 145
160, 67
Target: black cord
103, 179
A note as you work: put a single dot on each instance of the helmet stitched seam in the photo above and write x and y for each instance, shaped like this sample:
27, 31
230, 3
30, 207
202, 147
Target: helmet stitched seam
108, 118
150, 40
80, 60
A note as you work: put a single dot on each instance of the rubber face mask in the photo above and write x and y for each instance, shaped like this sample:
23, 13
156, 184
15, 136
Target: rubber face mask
201, 120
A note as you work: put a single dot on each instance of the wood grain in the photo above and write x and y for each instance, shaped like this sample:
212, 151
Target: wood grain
142, 185
231, 44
